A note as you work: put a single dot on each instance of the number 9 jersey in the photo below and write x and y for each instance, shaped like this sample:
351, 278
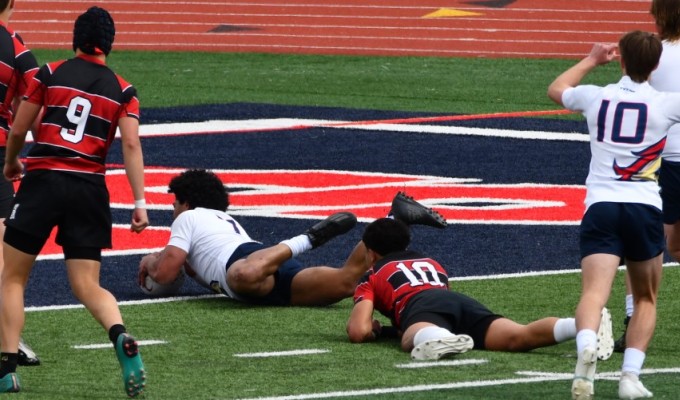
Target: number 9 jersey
628, 123
396, 278
82, 101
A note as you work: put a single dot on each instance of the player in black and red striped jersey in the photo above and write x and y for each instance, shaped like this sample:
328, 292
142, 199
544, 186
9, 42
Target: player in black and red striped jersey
17, 67
83, 102
412, 290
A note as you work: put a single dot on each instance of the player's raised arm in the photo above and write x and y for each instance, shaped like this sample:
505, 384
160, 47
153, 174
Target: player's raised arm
600, 54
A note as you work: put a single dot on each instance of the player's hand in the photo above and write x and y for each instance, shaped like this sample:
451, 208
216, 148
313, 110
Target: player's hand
140, 220
13, 170
603, 53
144, 265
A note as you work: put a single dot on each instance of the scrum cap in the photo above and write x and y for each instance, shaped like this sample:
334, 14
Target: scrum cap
94, 31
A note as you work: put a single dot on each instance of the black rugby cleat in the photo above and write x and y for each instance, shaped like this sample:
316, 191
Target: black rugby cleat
335, 225
410, 212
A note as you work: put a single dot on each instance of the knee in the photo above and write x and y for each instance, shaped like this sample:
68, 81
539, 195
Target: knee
517, 343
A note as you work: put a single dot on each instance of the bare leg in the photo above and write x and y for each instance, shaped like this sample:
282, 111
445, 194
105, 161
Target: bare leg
672, 233
597, 276
254, 275
507, 335
84, 278
15, 275
645, 278
327, 285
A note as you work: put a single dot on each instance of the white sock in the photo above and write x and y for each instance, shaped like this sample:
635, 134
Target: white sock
629, 305
298, 244
430, 333
632, 361
586, 338
564, 329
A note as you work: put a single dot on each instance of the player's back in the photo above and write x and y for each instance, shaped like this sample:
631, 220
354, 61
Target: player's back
399, 276
83, 101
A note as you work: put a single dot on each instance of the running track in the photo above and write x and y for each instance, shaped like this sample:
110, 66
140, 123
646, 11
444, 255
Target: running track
443, 28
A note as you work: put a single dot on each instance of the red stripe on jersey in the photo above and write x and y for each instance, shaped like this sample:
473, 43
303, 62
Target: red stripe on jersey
393, 284
88, 145
102, 107
75, 164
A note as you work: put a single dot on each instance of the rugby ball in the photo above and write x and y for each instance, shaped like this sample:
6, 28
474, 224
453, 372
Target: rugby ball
153, 288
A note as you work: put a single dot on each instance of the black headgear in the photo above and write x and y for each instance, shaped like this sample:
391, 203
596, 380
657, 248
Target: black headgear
94, 30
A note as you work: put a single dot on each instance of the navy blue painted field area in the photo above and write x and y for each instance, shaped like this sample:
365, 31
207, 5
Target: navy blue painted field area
464, 249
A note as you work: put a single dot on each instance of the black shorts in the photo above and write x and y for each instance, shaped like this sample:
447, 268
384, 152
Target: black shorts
669, 181
454, 311
77, 206
283, 277
6, 190
630, 230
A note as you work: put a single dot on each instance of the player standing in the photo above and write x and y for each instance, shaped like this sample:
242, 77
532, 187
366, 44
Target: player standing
665, 78
84, 102
628, 122
17, 67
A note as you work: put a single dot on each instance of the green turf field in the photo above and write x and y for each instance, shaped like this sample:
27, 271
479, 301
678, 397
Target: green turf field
438, 85
202, 337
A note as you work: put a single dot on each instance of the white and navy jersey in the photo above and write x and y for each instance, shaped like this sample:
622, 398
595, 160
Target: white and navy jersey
209, 237
628, 122
666, 79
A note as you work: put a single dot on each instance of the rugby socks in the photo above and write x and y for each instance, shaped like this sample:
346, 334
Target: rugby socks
115, 331
298, 244
632, 361
629, 305
430, 333
564, 329
8, 363
586, 338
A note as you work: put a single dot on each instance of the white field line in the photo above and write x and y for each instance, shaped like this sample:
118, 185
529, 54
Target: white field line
446, 363
110, 345
300, 352
283, 124
541, 377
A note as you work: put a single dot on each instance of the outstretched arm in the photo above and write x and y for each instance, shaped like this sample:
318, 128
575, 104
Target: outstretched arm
162, 267
599, 55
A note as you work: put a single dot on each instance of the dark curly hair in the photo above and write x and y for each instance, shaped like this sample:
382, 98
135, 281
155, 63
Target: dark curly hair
94, 29
386, 235
200, 188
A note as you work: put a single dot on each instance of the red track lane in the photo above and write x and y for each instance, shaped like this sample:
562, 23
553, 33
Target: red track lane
526, 28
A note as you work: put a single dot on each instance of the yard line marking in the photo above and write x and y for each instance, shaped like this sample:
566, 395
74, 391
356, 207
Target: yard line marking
282, 353
447, 363
109, 345
544, 377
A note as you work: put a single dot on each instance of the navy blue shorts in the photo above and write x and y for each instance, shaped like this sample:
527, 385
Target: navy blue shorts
283, 278
454, 311
630, 230
669, 180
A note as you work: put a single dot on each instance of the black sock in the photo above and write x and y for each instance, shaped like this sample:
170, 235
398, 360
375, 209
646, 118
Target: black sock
8, 363
116, 331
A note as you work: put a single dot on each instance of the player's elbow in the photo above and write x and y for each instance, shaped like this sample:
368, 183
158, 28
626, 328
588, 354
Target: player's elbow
360, 334
555, 93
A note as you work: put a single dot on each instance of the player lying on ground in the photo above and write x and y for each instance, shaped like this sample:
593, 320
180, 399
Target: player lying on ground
216, 251
412, 290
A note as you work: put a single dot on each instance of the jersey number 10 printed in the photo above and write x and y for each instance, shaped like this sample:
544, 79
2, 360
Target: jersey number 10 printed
77, 113
421, 273
622, 110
